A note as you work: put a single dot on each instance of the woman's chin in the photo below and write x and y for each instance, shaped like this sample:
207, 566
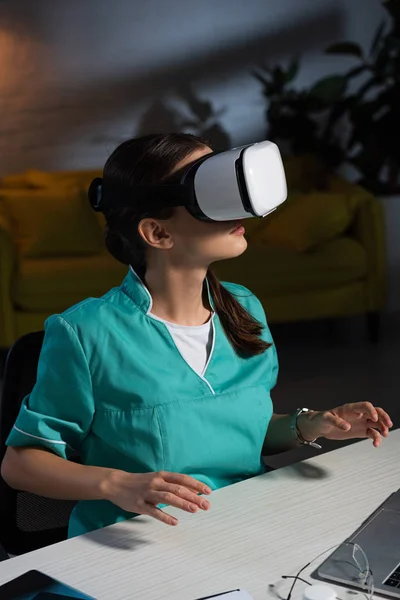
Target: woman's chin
233, 250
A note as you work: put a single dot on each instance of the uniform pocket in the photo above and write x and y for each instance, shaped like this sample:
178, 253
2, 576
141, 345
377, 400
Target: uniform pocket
220, 437
128, 439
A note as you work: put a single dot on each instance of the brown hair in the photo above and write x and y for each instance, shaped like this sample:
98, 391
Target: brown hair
149, 160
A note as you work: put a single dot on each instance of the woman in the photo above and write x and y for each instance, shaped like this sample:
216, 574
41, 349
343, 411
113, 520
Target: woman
163, 385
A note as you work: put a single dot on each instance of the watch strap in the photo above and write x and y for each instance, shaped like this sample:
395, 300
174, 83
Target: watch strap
296, 432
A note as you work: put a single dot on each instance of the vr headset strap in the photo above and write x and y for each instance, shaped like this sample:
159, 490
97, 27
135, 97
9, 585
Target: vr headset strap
152, 195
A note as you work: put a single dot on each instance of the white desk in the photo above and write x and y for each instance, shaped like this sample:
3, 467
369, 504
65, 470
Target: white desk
255, 532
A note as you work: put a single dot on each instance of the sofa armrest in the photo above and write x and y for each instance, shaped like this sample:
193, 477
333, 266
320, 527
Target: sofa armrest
369, 229
8, 257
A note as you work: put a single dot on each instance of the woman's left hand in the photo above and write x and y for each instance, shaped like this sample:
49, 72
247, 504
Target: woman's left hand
355, 420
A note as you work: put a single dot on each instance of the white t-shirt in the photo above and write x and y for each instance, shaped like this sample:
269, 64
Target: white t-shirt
193, 342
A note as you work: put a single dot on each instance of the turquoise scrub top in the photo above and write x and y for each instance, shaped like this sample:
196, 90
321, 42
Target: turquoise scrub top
113, 387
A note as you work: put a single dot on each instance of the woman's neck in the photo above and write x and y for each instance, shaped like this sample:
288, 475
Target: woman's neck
178, 295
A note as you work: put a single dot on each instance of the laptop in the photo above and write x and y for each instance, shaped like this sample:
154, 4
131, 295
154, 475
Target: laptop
379, 537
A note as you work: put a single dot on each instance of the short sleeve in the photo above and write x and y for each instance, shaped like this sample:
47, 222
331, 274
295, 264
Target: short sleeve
58, 413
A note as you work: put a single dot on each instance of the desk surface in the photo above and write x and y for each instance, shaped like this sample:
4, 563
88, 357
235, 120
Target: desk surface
255, 532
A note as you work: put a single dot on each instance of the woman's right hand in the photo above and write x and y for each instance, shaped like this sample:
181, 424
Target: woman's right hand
141, 493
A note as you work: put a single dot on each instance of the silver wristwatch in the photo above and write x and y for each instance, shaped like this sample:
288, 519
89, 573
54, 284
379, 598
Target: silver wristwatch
295, 430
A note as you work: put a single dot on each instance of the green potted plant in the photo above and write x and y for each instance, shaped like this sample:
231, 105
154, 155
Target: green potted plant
352, 118
310, 120
374, 118
303, 121
373, 109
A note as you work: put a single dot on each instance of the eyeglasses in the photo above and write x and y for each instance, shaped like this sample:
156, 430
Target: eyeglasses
350, 560
365, 577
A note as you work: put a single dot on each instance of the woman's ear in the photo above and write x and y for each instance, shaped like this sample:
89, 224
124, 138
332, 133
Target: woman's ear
155, 233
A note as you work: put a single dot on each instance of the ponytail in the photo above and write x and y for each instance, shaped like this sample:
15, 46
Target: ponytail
242, 330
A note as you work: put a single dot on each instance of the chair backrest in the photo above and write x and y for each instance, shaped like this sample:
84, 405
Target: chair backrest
27, 521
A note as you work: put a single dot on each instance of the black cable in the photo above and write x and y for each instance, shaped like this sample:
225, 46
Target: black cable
295, 577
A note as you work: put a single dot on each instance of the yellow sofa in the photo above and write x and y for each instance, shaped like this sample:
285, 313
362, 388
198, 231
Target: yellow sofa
321, 255
328, 264
52, 252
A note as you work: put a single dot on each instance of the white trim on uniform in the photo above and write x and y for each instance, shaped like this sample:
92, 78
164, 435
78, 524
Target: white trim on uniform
209, 358
148, 313
212, 346
145, 289
36, 437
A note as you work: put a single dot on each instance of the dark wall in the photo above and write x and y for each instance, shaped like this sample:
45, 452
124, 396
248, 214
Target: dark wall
77, 77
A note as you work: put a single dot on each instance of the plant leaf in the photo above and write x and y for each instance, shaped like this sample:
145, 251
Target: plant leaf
356, 71
393, 8
329, 89
368, 85
292, 70
345, 48
279, 76
377, 37
261, 76
382, 59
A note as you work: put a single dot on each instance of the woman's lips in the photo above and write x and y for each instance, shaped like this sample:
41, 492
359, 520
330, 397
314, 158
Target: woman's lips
238, 230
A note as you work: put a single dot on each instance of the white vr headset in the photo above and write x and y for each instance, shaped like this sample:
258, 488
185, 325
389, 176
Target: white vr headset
237, 184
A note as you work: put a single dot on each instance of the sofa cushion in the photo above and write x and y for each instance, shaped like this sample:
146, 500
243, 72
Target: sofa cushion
270, 270
55, 284
52, 222
308, 220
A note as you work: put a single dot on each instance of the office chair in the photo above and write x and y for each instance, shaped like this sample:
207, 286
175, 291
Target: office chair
27, 521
